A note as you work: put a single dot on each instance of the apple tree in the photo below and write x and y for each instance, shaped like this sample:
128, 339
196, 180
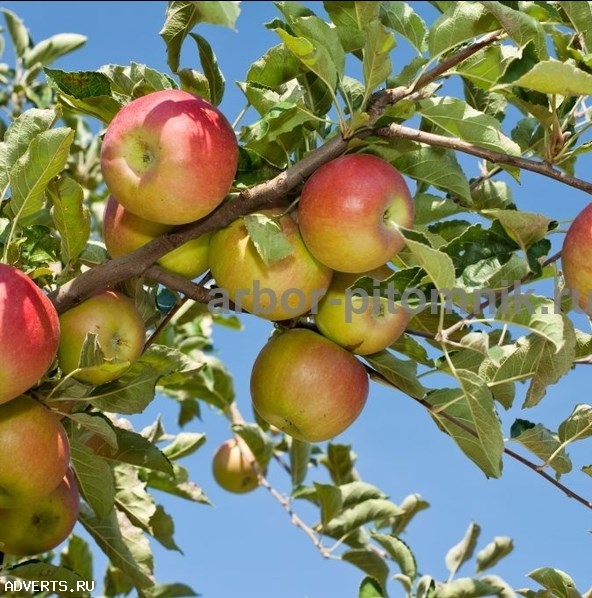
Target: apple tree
493, 90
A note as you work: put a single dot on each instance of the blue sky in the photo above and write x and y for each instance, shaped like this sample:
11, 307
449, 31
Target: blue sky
245, 545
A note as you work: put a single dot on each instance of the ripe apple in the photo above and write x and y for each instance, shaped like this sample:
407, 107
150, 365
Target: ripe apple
34, 452
120, 331
42, 525
281, 290
307, 386
124, 232
362, 323
29, 333
234, 466
350, 211
576, 259
169, 157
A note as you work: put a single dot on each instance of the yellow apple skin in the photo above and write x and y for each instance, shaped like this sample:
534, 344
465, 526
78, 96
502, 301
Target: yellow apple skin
234, 467
363, 325
307, 386
295, 283
40, 526
350, 211
576, 259
124, 232
29, 333
169, 157
34, 452
120, 331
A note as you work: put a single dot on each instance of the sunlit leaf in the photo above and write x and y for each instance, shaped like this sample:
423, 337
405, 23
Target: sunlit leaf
496, 550
50, 49
268, 237
463, 551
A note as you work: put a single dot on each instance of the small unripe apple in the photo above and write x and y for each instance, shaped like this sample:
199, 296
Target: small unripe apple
120, 331
124, 232
37, 527
307, 386
576, 259
169, 157
34, 452
234, 466
350, 211
29, 333
363, 323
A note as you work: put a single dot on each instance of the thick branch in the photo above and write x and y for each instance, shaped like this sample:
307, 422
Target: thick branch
401, 132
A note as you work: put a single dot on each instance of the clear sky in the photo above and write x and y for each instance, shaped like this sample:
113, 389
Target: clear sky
245, 545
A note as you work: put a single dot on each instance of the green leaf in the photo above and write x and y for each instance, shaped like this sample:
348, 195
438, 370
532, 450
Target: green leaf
38, 571
268, 237
78, 557
183, 445
464, 122
494, 552
123, 544
411, 505
70, 216
52, 48
135, 80
370, 588
580, 15
183, 16
339, 460
437, 265
487, 66
400, 552
95, 425
577, 426
554, 77
259, 443
177, 485
376, 65
300, 452
330, 501
463, 551
480, 435
521, 27
559, 583
17, 31
210, 67
474, 588
369, 562
276, 67
400, 17
44, 159
402, 374
543, 443
431, 208
460, 23
94, 478
169, 590
525, 228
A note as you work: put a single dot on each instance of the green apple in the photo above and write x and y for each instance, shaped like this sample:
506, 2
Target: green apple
120, 332
307, 386
576, 260
363, 323
124, 232
281, 290
234, 466
29, 333
34, 452
169, 156
350, 211
42, 525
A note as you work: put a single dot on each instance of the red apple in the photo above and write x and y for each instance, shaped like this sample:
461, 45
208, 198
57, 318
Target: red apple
281, 290
40, 526
363, 323
576, 259
120, 331
29, 333
350, 211
307, 386
34, 452
124, 232
169, 157
234, 466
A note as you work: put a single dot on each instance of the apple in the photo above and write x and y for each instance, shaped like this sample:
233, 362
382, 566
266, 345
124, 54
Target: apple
29, 333
120, 333
42, 525
169, 157
34, 452
350, 211
283, 289
576, 259
307, 386
124, 232
234, 466
361, 322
